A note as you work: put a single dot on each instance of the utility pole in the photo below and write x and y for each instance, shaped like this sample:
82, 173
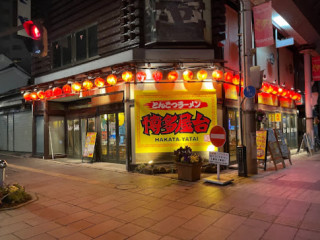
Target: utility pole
249, 114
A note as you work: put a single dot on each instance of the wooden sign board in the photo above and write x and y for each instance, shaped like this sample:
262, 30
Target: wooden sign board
274, 149
261, 140
88, 150
283, 145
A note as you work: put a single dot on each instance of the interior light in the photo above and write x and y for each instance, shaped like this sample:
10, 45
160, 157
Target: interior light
280, 21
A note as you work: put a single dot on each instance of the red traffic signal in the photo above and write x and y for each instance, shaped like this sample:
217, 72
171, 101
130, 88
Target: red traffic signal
32, 30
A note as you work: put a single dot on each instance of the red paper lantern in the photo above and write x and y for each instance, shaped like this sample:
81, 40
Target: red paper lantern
141, 76
76, 86
41, 94
173, 76
99, 82
48, 93
298, 96
66, 89
87, 84
236, 79
57, 91
187, 75
265, 87
275, 90
157, 76
34, 96
202, 75
285, 93
228, 77
217, 75
27, 96
112, 79
127, 76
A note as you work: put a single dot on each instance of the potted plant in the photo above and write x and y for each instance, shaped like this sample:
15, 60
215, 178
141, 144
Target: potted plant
188, 164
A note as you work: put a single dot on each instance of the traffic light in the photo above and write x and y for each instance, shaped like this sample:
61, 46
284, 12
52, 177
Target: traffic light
38, 34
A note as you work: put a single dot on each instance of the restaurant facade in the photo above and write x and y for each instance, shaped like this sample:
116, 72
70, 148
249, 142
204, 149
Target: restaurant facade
146, 93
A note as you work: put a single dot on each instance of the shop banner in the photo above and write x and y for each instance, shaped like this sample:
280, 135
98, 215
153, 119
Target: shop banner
263, 29
261, 140
168, 120
267, 99
89, 145
316, 68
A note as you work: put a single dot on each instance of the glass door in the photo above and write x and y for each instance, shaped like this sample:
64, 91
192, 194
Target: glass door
74, 147
233, 134
113, 138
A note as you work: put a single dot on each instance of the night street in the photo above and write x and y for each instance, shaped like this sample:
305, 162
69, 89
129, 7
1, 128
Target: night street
88, 201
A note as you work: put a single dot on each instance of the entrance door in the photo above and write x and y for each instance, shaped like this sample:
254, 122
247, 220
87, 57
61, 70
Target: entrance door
74, 147
113, 138
233, 134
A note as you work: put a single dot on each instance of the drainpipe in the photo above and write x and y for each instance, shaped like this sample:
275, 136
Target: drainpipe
248, 119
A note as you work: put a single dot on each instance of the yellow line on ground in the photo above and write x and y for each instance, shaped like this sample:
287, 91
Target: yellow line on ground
54, 174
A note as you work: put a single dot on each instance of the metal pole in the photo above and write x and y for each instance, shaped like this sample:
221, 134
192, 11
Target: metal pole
249, 122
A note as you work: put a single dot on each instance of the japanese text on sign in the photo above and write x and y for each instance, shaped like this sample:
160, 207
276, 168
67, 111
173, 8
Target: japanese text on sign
177, 104
177, 123
221, 158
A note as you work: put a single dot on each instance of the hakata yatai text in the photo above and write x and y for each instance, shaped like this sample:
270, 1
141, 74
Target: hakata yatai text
177, 123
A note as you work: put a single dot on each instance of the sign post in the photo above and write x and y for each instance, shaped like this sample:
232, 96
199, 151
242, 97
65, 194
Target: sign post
218, 139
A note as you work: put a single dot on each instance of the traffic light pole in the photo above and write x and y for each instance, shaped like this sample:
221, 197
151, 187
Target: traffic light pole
248, 107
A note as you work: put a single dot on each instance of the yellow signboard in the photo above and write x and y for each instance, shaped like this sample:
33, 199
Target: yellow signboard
277, 117
261, 139
168, 120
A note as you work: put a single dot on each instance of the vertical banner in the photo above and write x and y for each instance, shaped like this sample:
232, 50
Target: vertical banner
316, 68
168, 120
263, 29
89, 145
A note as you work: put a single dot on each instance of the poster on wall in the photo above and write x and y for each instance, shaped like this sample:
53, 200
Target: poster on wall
168, 120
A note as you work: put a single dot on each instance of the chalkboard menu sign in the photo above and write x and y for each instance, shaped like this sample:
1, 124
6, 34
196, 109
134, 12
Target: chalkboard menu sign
274, 148
283, 145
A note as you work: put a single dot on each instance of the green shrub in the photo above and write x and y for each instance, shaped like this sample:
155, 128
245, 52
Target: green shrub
12, 195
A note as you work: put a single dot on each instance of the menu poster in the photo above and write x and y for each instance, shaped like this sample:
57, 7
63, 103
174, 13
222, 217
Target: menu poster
261, 140
283, 145
89, 144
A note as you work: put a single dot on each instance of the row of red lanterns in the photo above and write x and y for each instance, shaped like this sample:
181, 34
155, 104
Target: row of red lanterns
280, 91
127, 76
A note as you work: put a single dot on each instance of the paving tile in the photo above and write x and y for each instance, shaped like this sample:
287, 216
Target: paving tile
229, 222
307, 235
240, 212
12, 228
167, 225
161, 213
144, 222
213, 214
145, 235
211, 231
62, 232
245, 232
169, 238
113, 212
199, 223
112, 236
9, 237
221, 207
189, 212
254, 223
183, 233
289, 221
34, 231
102, 228
97, 218
43, 236
134, 214
263, 216
129, 229
177, 205
76, 236
277, 231
73, 217
80, 225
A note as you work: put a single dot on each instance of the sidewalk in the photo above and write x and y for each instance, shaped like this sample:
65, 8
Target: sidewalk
80, 202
